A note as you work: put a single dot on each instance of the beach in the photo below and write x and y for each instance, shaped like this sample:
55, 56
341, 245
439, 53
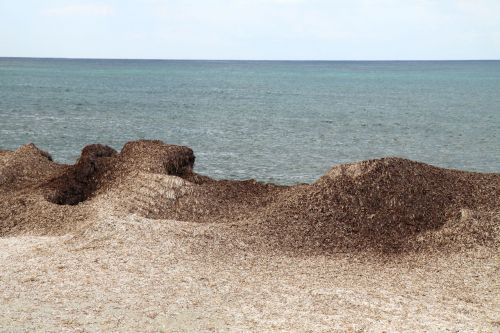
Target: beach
250, 166
136, 240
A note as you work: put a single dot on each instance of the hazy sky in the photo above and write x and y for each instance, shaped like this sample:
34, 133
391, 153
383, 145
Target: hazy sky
251, 29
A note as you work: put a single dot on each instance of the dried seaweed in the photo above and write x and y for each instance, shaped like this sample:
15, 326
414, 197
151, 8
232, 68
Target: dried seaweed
389, 205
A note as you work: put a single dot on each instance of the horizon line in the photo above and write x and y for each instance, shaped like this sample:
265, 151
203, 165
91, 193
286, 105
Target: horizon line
256, 60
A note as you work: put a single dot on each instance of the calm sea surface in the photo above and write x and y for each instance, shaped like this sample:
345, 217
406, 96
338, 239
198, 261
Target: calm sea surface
283, 122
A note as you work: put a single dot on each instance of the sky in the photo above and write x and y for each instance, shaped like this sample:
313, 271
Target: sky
252, 29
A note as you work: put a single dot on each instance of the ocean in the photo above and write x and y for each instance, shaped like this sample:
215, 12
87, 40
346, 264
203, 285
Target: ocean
275, 121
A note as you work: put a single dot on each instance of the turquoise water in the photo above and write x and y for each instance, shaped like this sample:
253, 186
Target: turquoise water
283, 122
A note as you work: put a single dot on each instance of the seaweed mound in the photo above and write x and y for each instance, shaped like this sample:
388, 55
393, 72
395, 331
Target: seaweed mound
80, 181
39, 196
383, 204
25, 168
99, 167
389, 205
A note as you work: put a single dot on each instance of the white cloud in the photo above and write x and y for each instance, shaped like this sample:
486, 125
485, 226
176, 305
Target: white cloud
285, 2
260, 29
486, 10
87, 9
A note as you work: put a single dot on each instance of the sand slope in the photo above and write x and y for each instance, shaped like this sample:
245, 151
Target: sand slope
136, 241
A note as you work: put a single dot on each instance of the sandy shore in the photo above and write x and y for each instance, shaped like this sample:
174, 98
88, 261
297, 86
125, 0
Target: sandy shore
119, 243
132, 274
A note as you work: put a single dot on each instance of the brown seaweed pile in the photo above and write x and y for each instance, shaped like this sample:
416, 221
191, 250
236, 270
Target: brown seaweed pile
388, 205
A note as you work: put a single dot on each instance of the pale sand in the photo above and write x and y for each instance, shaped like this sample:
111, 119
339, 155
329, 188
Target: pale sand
132, 274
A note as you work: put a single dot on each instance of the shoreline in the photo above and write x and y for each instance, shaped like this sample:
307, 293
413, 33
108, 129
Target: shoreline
137, 241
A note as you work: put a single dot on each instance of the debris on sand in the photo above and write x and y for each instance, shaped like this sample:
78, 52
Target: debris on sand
388, 205
385, 204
